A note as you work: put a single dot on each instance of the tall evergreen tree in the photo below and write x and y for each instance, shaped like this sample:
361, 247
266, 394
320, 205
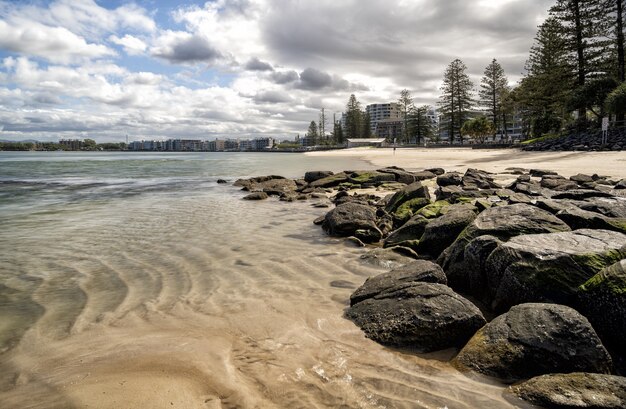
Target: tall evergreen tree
456, 99
338, 133
354, 119
406, 103
493, 87
366, 131
581, 25
547, 84
312, 133
420, 126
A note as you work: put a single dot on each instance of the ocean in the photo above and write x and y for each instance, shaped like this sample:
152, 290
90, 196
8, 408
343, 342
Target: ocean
134, 280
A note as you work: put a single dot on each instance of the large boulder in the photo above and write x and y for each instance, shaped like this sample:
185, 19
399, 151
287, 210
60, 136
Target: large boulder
312, 176
449, 179
422, 316
276, 187
412, 191
573, 390
479, 179
391, 258
443, 231
559, 183
577, 218
256, 196
330, 181
247, 183
535, 339
501, 222
372, 178
602, 299
407, 209
549, 267
398, 278
350, 219
401, 175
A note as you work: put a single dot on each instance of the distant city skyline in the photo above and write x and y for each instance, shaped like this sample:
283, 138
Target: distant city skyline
159, 69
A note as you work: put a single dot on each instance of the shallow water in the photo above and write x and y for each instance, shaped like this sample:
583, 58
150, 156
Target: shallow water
135, 281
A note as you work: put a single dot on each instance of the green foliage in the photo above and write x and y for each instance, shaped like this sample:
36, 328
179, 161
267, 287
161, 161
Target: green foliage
354, 118
312, 133
420, 126
406, 104
478, 128
615, 102
540, 139
338, 133
493, 90
592, 95
17, 146
456, 99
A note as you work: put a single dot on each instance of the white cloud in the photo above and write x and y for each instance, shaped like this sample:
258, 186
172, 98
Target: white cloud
132, 45
56, 44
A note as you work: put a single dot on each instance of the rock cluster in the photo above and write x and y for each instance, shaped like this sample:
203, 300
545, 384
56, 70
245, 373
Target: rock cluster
543, 253
584, 141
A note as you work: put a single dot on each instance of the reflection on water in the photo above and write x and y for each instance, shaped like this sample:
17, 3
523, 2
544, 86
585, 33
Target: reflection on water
140, 282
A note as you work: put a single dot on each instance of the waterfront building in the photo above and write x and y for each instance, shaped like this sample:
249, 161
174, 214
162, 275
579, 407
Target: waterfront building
381, 112
72, 144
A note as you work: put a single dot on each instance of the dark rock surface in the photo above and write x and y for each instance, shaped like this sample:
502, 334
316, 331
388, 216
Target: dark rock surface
583, 141
423, 316
411, 230
602, 299
443, 231
398, 278
316, 175
535, 339
501, 222
413, 191
348, 218
450, 179
256, 196
330, 181
549, 267
573, 390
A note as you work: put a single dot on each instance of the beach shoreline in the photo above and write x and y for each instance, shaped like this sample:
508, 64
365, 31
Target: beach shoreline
567, 164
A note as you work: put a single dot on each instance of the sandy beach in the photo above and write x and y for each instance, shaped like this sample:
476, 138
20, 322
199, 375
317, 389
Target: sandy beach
492, 160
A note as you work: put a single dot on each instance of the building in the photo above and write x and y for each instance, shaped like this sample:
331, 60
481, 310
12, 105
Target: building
390, 129
72, 144
380, 112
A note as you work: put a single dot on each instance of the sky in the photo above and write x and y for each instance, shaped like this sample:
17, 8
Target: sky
159, 69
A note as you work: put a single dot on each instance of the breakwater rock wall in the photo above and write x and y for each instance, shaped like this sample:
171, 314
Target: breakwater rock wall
584, 141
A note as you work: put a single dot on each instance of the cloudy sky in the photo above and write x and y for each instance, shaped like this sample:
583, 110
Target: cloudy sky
158, 69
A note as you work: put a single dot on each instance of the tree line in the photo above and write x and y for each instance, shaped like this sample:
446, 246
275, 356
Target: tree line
574, 76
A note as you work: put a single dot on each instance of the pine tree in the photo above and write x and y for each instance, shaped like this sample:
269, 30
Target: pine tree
420, 126
456, 99
338, 133
354, 118
366, 131
581, 26
312, 134
406, 103
547, 85
493, 87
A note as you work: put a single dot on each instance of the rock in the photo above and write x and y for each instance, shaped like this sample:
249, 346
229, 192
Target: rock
422, 316
620, 185
602, 299
275, 187
475, 256
424, 175
581, 178
371, 177
411, 230
330, 181
535, 339
456, 194
519, 198
221, 181
319, 221
406, 210
433, 210
515, 171
317, 175
558, 183
577, 218
443, 231
549, 267
611, 207
256, 196
391, 258
416, 271
412, 191
436, 171
480, 179
580, 194
573, 390
541, 172
400, 174
449, 179
501, 222
347, 218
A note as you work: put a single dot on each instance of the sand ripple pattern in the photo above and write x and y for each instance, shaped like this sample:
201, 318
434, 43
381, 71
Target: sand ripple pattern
198, 301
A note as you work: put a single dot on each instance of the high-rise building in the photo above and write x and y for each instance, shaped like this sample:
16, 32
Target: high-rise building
379, 112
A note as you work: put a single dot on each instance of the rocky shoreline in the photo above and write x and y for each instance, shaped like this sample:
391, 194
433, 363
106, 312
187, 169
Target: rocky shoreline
543, 254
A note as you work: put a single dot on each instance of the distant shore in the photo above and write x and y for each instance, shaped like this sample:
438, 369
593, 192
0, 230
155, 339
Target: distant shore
492, 160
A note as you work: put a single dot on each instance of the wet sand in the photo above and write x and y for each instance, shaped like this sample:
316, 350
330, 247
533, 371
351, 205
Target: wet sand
493, 160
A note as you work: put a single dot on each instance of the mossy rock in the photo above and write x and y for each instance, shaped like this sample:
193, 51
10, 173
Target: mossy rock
549, 267
330, 181
412, 191
371, 178
434, 209
602, 299
406, 210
